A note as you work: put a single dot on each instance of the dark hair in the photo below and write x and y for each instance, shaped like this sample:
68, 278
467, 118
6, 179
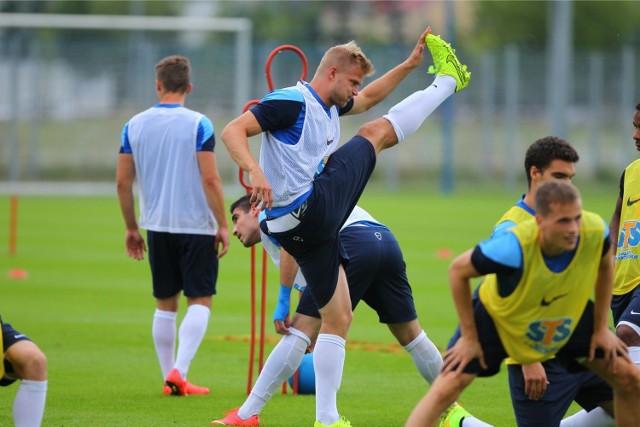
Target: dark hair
242, 203
544, 150
555, 191
174, 73
638, 107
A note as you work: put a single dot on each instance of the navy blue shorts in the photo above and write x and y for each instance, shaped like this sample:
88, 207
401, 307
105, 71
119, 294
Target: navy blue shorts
568, 381
182, 262
9, 337
315, 242
376, 274
626, 307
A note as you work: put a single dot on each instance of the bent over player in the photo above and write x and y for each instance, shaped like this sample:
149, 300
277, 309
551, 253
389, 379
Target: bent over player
376, 274
534, 305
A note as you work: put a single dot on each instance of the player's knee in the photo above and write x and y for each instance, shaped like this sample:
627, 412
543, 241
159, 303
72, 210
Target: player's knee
347, 318
628, 335
30, 364
36, 367
379, 133
628, 381
449, 387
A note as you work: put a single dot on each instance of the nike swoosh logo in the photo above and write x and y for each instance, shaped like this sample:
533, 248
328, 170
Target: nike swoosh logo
634, 312
459, 71
15, 337
329, 141
631, 202
546, 303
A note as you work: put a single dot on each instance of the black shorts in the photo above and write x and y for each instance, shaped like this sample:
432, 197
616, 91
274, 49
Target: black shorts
315, 242
9, 337
182, 262
376, 274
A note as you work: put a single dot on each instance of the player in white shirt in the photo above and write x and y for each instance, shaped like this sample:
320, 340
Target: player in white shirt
169, 149
308, 190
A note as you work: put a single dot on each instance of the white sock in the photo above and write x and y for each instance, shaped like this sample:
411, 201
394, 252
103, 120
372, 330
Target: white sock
428, 360
407, 115
192, 330
328, 362
595, 418
426, 356
28, 405
280, 365
164, 339
473, 422
634, 354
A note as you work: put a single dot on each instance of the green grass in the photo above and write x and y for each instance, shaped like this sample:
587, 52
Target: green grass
89, 307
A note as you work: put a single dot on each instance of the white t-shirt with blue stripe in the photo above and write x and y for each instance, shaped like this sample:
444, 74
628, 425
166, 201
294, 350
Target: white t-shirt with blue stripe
164, 141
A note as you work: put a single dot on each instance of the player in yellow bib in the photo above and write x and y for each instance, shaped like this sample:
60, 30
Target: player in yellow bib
625, 236
554, 384
534, 305
23, 360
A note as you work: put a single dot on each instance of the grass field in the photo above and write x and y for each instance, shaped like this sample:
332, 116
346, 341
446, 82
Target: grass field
89, 307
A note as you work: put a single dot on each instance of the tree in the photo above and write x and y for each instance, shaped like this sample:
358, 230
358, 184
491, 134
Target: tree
596, 24
279, 20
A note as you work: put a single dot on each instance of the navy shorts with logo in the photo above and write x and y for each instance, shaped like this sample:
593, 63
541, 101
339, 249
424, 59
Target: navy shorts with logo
315, 243
376, 274
626, 307
9, 337
182, 262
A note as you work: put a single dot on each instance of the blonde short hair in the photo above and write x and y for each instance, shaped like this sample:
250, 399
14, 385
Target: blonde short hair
344, 55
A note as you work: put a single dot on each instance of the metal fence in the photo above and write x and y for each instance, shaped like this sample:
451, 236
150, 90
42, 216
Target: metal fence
64, 100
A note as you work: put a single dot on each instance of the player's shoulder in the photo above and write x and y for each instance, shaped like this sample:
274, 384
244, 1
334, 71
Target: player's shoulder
593, 220
633, 164
143, 113
286, 94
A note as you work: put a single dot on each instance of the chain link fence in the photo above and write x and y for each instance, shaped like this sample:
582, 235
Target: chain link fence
66, 95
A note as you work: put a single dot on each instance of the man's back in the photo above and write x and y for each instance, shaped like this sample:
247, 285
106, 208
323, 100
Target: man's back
164, 140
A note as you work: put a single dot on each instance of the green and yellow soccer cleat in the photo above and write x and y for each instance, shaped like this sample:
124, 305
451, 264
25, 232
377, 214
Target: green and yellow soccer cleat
342, 422
445, 61
453, 416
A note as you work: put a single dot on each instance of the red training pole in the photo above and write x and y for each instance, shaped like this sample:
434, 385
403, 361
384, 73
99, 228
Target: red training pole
252, 339
247, 186
13, 225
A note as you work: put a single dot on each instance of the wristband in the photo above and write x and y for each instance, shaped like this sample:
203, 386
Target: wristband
281, 311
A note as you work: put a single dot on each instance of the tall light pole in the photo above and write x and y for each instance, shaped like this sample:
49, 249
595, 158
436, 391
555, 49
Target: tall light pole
560, 54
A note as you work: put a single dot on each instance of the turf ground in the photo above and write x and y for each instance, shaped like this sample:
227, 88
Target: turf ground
89, 308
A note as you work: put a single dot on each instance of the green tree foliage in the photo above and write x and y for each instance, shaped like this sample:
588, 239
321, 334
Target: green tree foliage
279, 20
606, 24
107, 7
596, 24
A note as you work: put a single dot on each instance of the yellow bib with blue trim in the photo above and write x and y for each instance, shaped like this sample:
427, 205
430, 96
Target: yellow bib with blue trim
516, 214
538, 318
627, 270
